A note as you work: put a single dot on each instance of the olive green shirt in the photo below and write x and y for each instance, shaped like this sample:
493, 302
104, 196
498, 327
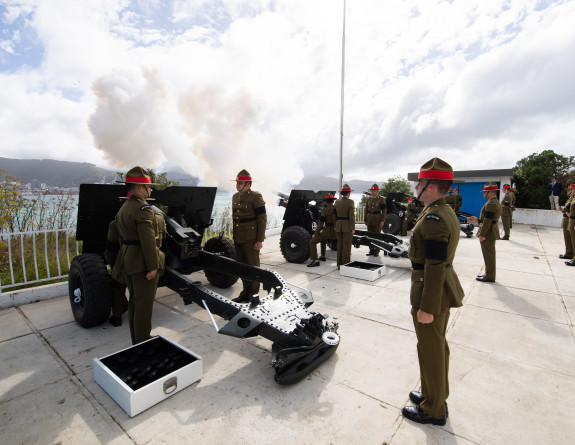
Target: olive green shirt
490, 214
326, 221
141, 237
506, 203
375, 210
344, 210
434, 283
249, 217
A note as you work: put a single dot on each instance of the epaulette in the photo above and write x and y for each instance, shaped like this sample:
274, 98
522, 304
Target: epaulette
433, 217
145, 207
491, 203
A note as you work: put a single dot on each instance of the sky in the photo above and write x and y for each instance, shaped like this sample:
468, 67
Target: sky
214, 86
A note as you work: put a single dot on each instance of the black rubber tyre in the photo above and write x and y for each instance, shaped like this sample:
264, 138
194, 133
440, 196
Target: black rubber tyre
392, 224
294, 244
224, 247
90, 289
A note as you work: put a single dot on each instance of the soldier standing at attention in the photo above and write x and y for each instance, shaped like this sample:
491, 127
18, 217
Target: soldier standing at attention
344, 211
450, 199
458, 199
512, 192
119, 301
250, 220
571, 223
409, 216
375, 213
566, 209
506, 203
325, 231
143, 261
488, 231
435, 289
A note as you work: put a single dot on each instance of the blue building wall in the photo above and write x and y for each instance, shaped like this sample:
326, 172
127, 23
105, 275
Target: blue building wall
471, 193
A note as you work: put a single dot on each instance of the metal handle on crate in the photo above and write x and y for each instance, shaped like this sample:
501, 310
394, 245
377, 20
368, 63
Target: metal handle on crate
170, 385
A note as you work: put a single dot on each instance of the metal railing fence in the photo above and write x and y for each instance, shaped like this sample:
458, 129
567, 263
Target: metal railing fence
36, 256
32, 257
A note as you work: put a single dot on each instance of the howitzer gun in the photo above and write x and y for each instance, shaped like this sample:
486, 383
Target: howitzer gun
303, 208
301, 339
465, 226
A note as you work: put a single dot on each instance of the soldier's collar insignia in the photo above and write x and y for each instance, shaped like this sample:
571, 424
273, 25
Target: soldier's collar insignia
434, 217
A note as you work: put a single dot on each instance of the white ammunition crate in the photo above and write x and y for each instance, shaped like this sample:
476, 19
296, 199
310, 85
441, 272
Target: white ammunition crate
362, 270
147, 373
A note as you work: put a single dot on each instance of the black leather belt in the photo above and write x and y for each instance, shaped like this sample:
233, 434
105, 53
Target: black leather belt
342, 218
374, 213
131, 242
244, 220
328, 225
494, 222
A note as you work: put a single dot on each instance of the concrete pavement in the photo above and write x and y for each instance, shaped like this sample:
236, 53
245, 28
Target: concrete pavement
512, 362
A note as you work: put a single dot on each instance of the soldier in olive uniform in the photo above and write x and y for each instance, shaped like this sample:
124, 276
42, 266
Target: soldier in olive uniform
250, 220
435, 289
488, 231
450, 199
119, 301
344, 210
142, 259
458, 199
513, 198
375, 213
324, 232
569, 222
565, 224
409, 215
506, 203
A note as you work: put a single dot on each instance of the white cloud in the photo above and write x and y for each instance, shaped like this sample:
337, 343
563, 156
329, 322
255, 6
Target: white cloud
216, 86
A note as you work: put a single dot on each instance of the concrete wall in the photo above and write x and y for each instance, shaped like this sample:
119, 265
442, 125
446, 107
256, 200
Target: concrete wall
551, 218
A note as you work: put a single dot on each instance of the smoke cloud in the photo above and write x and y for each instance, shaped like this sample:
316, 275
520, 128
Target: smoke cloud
210, 132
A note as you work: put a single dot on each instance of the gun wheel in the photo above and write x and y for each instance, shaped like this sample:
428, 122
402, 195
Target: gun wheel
392, 224
294, 244
225, 247
90, 289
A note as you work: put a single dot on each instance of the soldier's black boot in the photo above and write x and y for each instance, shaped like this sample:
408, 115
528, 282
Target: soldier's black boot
314, 263
116, 321
321, 258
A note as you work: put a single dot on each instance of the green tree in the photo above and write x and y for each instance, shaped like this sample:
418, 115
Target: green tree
533, 174
394, 184
11, 200
158, 178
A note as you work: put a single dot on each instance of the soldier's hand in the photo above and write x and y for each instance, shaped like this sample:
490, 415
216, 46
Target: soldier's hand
424, 317
151, 274
381, 224
258, 245
481, 239
353, 232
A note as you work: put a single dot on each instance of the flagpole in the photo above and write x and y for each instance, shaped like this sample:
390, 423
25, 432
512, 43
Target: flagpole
341, 113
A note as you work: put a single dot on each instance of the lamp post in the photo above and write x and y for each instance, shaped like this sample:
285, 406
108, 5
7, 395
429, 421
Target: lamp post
342, 96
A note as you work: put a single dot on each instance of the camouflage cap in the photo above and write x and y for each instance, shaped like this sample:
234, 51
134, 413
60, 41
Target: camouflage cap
137, 175
328, 197
374, 187
506, 186
346, 188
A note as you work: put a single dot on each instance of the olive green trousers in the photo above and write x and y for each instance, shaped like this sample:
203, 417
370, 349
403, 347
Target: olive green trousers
142, 296
433, 355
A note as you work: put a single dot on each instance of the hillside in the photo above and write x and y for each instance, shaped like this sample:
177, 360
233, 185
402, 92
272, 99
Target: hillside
68, 174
